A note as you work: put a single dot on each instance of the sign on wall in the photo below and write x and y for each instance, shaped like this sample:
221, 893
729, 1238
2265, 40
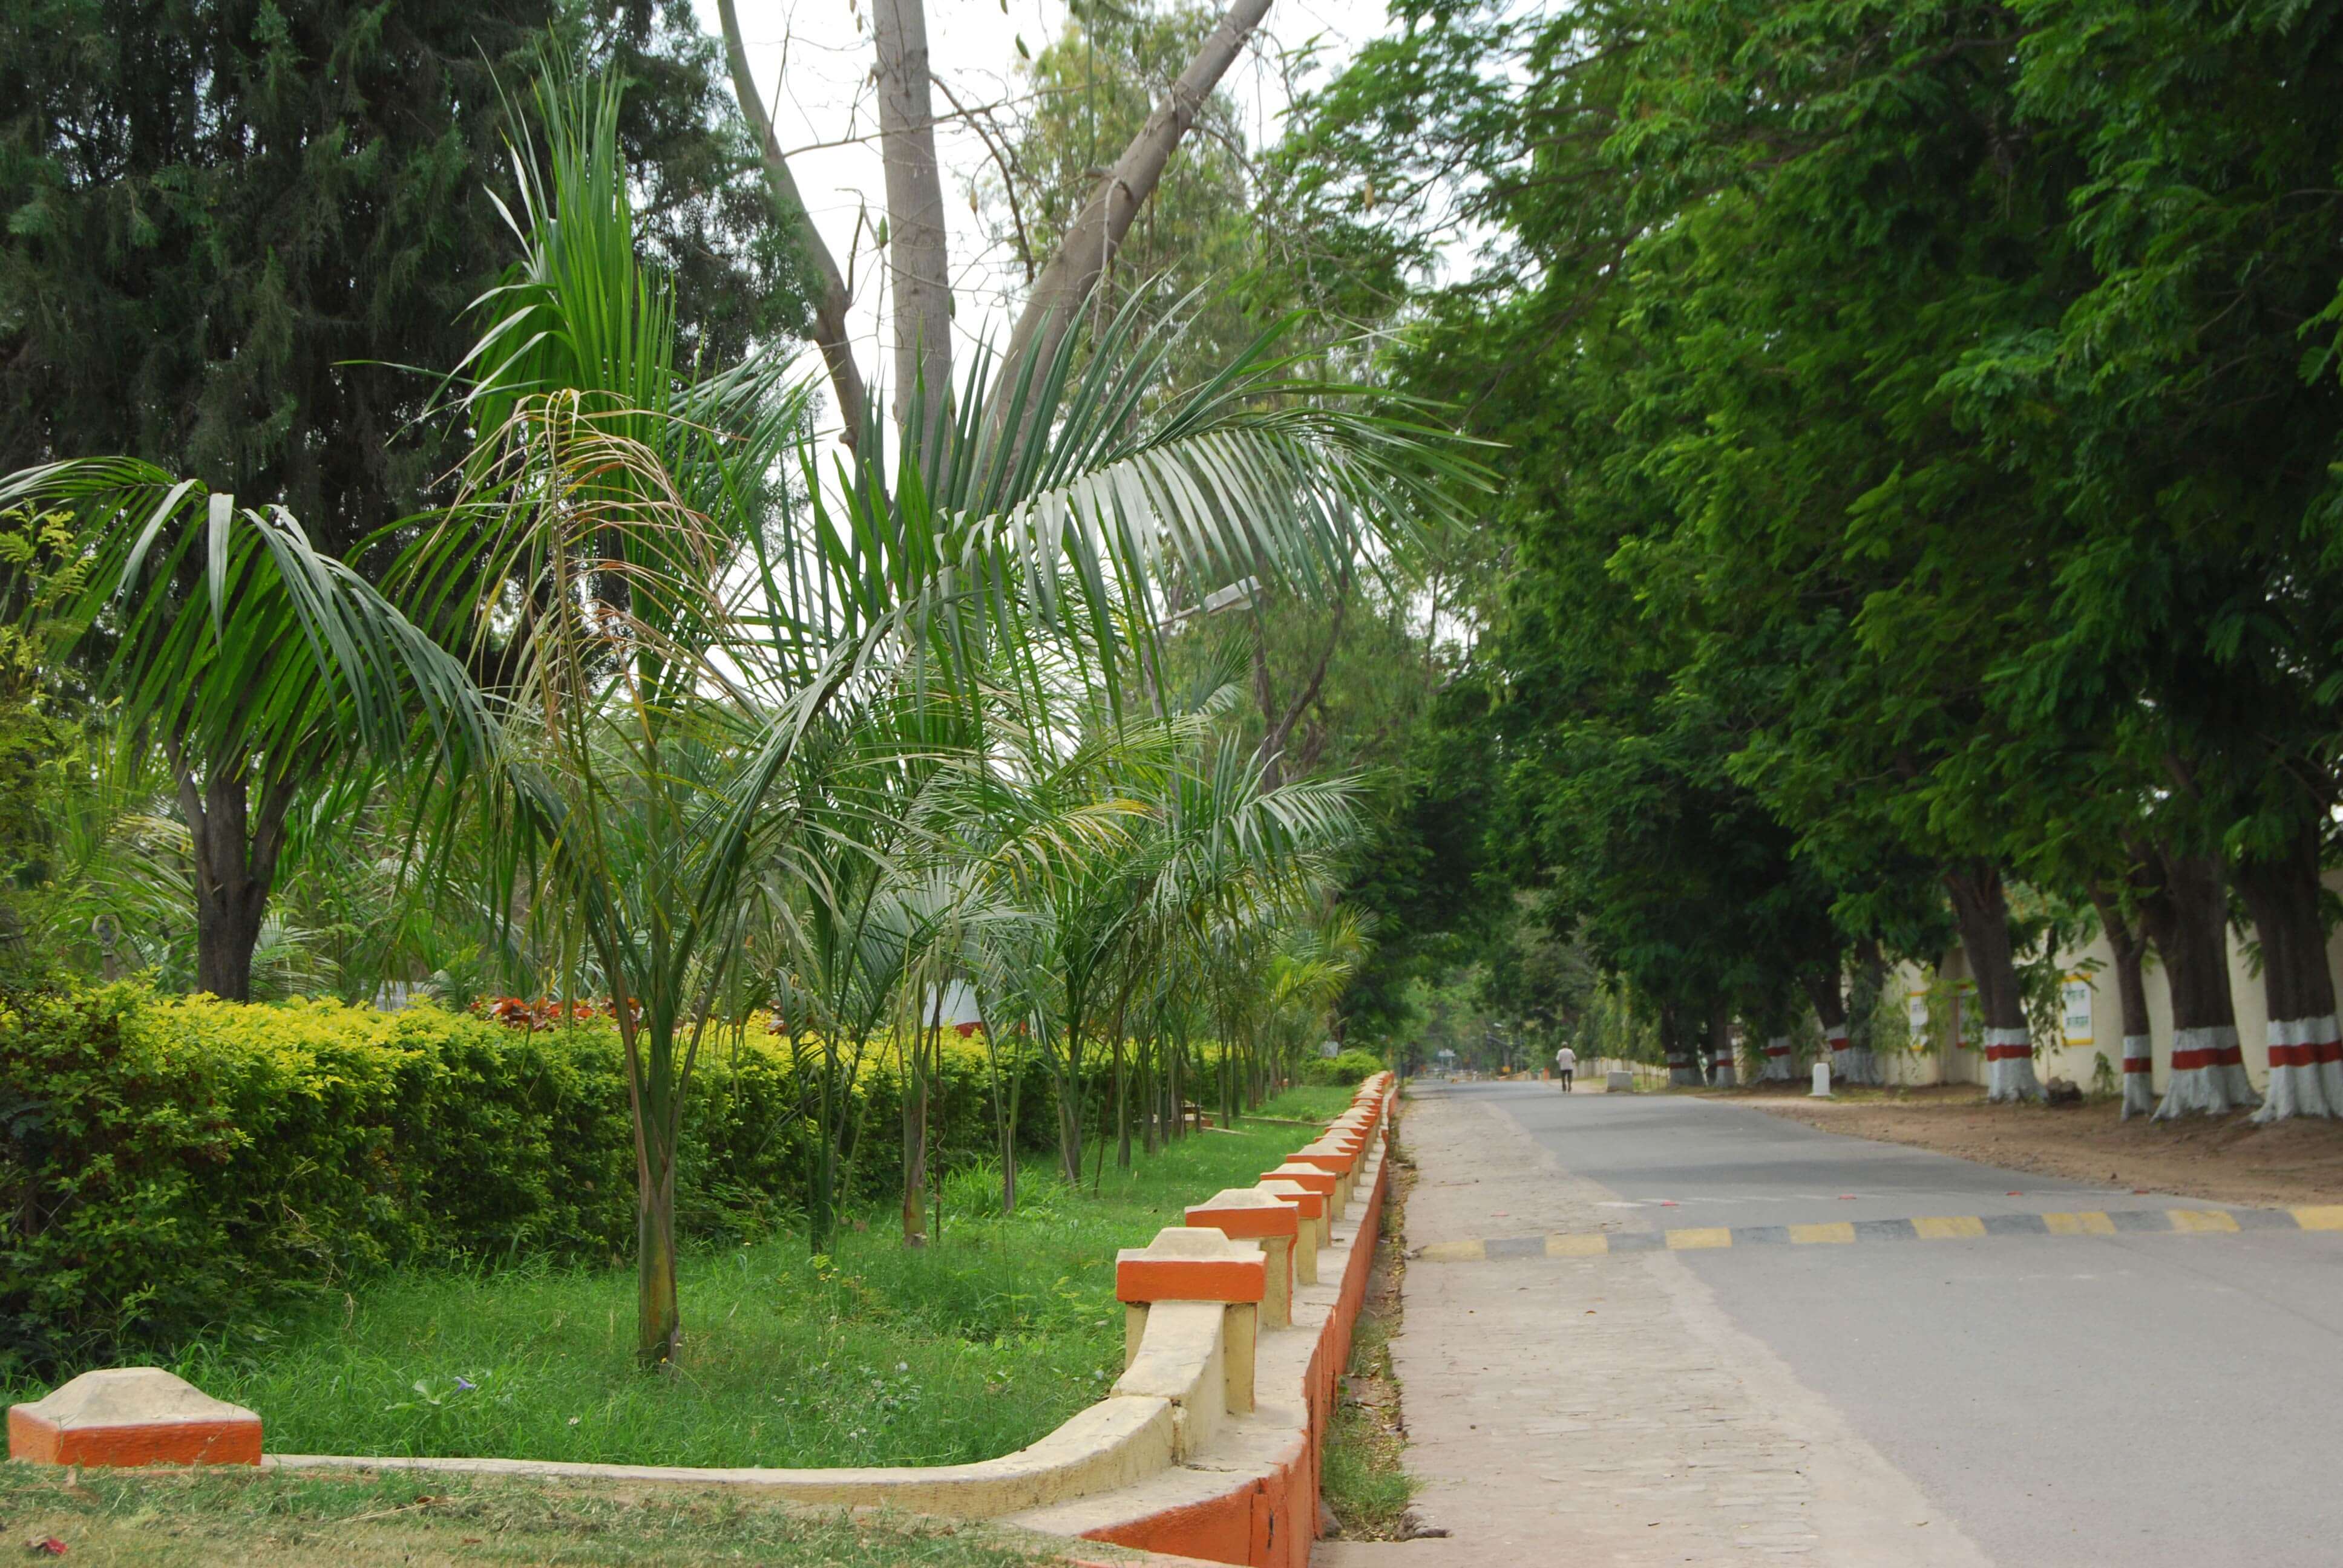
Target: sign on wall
1915, 1013
2074, 1009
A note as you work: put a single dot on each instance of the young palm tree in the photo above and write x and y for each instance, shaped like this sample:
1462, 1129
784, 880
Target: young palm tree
257, 664
676, 609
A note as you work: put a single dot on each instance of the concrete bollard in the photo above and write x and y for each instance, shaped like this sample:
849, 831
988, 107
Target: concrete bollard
1311, 1229
1618, 1081
132, 1416
1822, 1089
1249, 1215
1183, 1264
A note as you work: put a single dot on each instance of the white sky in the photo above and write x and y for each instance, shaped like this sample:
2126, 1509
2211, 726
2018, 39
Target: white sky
818, 58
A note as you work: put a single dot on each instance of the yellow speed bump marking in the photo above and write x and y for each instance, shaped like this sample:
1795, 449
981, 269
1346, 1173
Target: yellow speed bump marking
1455, 1252
2320, 1217
1577, 1246
2202, 1221
1700, 1236
1831, 1233
2089, 1222
1948, 1226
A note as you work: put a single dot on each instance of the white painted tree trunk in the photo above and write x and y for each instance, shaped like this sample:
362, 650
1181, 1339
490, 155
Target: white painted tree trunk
2305, 1070
1850, 1063
2139, 1077
2208, 1075
1780, 1066
2009, 1066
1683, 1071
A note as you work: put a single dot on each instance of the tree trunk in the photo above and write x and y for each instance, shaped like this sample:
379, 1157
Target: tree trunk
1098, 230
236, 868
2306, 1056
2131, 948
1982, 913
658, 1316
918, 270
1724, 1072
2185, 909
1684, 1060
1849, 1063
829, 328
915, 1136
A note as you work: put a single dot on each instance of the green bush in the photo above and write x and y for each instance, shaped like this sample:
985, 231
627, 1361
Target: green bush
172, 1165
1341, 1072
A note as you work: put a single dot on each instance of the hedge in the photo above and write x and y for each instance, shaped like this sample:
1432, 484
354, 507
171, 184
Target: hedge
172, 1165
1351, 1066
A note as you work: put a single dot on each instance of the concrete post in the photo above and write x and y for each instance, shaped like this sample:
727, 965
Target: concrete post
1311, 1230
1197, 1265
1249, 1215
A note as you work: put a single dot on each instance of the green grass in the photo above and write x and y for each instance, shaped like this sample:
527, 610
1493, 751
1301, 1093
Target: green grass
181, 1518
1364, 1477
873, 1355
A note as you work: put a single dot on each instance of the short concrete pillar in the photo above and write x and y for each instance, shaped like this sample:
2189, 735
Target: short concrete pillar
1311, 1230
132, 1416
1337, 1161
1197, 1265
1249, 1215
1619, 1081
1822, 1089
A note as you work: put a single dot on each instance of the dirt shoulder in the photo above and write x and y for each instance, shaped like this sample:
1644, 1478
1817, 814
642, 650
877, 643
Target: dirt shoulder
2228, 1159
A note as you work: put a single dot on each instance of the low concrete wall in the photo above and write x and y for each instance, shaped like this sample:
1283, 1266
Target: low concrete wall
1209, 1445
1250, 1495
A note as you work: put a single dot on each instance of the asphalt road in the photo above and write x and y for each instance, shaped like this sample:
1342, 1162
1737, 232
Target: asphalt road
2137, 1399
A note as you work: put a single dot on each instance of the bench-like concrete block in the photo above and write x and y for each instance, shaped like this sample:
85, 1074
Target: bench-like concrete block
132, 1416
1310, 1224
1249, 1215
1191, 1265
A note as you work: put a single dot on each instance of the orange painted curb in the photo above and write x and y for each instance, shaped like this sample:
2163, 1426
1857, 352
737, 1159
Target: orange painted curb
1315, 1178
1190, 1278
40, 1441
1247, 1223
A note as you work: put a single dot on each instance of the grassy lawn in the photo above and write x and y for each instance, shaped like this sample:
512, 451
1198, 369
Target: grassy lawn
167, 1519
873, 1355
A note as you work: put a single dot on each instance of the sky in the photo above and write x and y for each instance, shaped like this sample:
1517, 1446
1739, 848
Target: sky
812, 59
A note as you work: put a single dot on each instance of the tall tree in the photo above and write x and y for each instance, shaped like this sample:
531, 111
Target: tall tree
236, 230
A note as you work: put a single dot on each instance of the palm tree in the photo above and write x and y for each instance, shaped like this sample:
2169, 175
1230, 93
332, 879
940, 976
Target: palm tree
679, 614
258, 665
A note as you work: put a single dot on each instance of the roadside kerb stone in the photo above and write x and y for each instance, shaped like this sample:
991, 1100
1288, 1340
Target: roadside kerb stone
132, 1416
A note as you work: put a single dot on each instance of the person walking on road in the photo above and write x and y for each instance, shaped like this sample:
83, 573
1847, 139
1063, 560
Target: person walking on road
1565, 1062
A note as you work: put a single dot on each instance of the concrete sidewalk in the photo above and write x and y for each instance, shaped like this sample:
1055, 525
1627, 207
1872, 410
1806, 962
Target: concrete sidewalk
1604, 1411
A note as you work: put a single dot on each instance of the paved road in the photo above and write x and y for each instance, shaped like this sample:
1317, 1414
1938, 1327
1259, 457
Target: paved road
2139, 1397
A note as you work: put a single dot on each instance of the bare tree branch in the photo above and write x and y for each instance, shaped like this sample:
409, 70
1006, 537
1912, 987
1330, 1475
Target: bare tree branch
1098, 230
830, 330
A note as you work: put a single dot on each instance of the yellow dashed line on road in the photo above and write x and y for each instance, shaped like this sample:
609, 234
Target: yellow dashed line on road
1948, 1226
1699, 1236
2090, 1222
1925, 1228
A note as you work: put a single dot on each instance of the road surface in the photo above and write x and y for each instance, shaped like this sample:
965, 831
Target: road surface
1793, 1344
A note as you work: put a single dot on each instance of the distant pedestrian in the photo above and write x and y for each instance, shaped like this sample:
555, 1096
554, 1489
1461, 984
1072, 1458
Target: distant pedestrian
1565, 1062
